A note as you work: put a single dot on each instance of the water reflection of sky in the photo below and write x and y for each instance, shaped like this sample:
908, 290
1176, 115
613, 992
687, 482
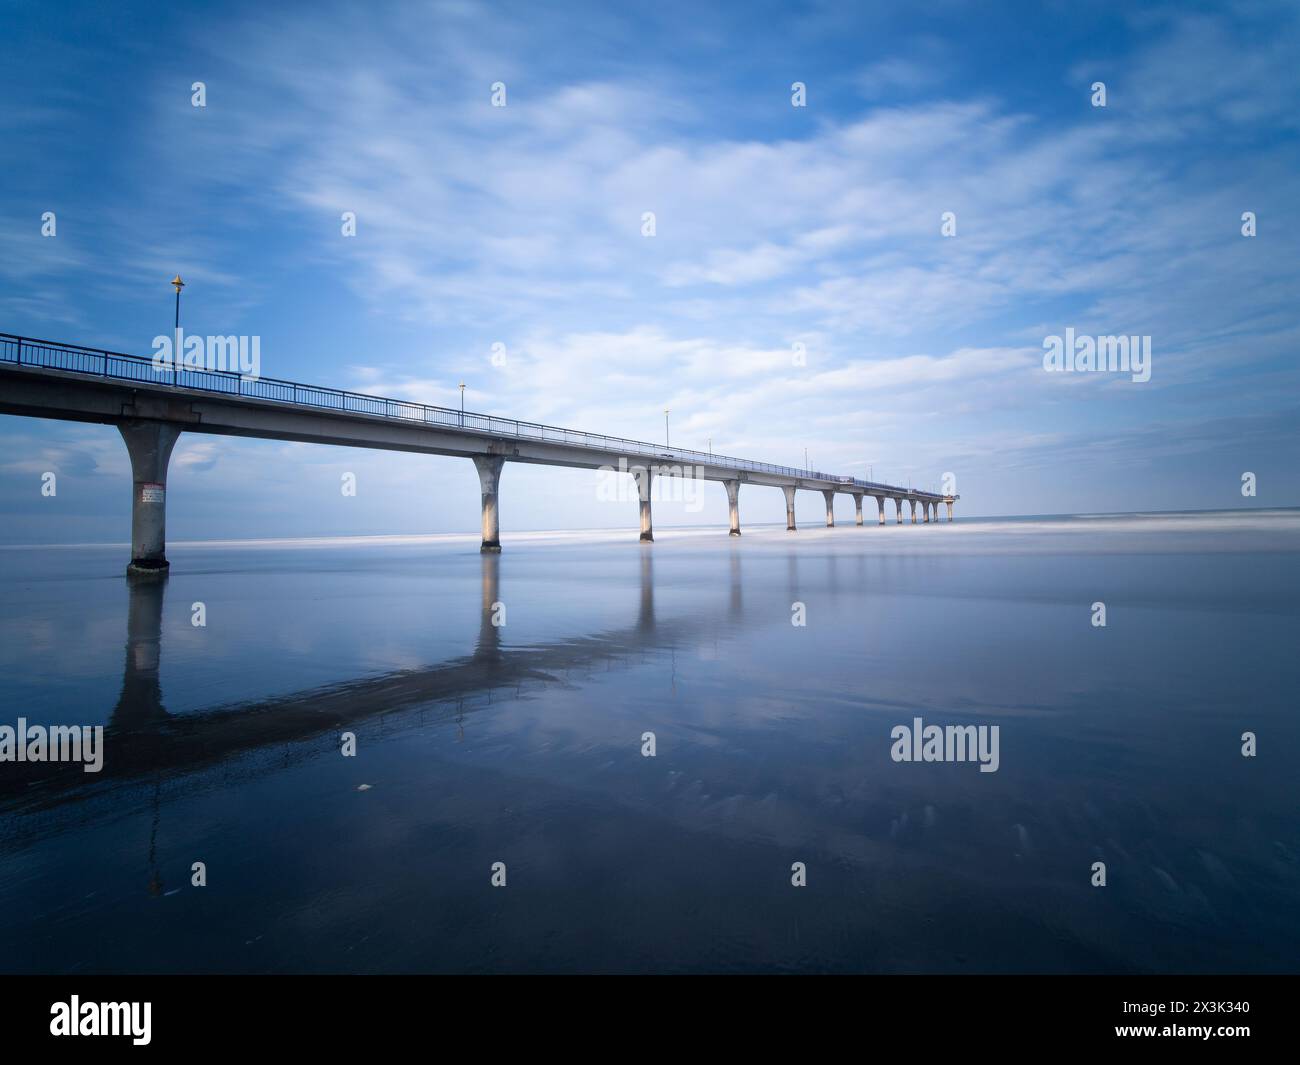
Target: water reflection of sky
522, 744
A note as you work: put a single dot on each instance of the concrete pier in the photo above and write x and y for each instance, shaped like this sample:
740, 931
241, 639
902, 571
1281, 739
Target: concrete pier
150, 446
925, 512
44, 379
912, 504
644, 476
733, 505
489, 476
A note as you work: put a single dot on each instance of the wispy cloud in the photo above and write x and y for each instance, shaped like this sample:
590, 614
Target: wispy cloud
775, 226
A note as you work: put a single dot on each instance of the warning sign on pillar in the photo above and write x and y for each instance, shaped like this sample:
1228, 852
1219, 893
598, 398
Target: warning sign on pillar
153, 493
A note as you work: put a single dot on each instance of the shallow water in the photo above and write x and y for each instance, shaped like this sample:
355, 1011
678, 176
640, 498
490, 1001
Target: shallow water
522, 744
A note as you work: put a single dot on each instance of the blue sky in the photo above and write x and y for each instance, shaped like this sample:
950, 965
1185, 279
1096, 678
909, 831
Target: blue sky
775, 226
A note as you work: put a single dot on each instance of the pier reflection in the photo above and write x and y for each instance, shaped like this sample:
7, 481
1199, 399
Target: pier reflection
144, 742
140, 705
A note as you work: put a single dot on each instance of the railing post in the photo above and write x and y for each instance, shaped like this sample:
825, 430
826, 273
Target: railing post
20, 351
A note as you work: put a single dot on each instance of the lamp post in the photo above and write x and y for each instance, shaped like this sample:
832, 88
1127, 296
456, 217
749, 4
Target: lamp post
178, 284
806, 467
462, 404
666, 413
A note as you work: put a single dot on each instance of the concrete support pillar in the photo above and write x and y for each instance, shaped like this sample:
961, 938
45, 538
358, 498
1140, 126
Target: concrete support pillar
880, 505
644, 475
829, 493
925, 511
934, 511
950, 510
912, 504
150, 446
898, 509
789, 507
857, 509
733, 505
489, 476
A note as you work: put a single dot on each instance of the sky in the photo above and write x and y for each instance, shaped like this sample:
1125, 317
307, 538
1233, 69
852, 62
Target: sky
798, 293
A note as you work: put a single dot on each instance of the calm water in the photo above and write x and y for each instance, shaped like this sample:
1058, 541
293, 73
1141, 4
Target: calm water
522, 744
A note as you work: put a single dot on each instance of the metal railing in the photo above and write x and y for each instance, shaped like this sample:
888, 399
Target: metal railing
72, 358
